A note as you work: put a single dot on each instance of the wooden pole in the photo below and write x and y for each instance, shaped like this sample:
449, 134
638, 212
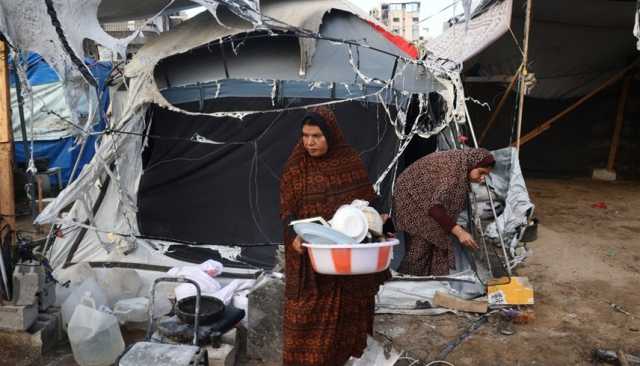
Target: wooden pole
501, 103
547, 124
615, 140
523, 74
7, 194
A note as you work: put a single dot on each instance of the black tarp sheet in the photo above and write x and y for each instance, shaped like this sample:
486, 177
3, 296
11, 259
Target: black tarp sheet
228, 194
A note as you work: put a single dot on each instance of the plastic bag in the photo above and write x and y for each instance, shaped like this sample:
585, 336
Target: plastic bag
119, 284
208, 286
134, 310
91, 286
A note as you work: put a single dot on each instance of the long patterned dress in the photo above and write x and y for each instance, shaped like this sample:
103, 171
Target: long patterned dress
326, 318
438, 179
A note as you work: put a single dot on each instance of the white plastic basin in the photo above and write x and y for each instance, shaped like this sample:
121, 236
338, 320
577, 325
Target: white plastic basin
351, 259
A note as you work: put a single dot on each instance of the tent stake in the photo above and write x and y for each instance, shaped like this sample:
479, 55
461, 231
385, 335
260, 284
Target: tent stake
615, 140
524, 72
546, 125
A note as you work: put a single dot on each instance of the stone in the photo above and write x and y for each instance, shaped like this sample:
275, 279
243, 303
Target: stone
17, 318
604, 174
225, 355
264, 328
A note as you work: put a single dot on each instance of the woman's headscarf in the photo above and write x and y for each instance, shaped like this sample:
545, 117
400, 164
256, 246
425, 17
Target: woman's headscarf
441, 179
318, 186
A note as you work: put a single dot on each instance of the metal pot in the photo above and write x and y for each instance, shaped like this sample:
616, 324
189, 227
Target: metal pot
211, 309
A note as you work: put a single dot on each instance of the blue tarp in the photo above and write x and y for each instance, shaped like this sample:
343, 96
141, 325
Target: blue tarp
63, 152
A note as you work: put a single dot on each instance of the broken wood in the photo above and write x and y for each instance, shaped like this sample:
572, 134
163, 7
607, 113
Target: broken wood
615, 140
442, 299
547, 124
501, 103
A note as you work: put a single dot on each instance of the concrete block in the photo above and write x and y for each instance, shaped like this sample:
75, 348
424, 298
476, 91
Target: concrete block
17, 318
264, 330
230, 337
47, 331
604, 174
225, 355
47, 296
28, 279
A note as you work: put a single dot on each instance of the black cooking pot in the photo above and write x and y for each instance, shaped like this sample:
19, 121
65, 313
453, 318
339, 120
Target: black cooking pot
211, 309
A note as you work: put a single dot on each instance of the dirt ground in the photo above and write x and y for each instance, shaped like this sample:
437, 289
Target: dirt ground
585, 258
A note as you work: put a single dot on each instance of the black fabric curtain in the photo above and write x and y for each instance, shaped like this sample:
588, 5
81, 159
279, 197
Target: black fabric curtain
228, 194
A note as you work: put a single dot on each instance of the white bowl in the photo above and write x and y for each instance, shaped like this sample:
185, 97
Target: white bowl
351, 259
350, 221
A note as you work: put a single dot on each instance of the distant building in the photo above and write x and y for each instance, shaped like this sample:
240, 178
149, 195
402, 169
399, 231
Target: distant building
150, 29
402, 18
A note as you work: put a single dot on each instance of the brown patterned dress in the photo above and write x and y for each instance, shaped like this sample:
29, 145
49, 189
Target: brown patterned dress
326, 318
438, 179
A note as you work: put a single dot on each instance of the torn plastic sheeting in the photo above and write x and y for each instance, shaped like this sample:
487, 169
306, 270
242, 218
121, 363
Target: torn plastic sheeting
112, 146
636, 28
286, 89
508, 183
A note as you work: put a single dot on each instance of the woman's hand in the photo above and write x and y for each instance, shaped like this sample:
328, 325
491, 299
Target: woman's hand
297, 245
464, 237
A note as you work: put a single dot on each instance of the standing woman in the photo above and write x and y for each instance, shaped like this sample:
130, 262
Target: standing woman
429, 196
326, 318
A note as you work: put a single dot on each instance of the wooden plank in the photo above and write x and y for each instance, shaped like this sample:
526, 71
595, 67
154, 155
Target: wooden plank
615, 140
501, 103
442, 299
547, 124
7, 195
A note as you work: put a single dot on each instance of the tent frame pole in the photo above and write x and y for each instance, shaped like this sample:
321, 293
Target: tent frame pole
501, 103
615, 139
524, 71
7, 191
547, 124
31, 187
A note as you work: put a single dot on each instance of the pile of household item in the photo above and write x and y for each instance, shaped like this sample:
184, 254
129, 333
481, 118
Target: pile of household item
351, 243
189, 316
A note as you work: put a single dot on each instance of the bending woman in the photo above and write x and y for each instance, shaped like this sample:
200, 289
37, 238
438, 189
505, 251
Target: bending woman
429, 196
326, 318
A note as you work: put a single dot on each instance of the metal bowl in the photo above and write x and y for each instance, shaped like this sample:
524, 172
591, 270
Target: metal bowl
211, 309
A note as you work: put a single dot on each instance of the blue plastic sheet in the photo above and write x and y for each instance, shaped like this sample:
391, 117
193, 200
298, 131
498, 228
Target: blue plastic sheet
63, 152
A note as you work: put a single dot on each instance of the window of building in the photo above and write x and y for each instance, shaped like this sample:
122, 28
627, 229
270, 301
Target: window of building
396, 20
393, 7
396, 30
412, 7
416, 19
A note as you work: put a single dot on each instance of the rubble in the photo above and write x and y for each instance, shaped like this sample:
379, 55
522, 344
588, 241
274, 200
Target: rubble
264, 333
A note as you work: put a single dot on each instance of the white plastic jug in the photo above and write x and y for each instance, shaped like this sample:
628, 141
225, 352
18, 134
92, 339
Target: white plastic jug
89, 285
94, 335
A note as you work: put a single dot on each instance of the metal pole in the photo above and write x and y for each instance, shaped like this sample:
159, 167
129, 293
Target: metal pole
25, 141
523, 75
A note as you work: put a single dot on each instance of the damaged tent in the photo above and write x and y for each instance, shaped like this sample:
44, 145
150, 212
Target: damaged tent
189, 166
577, 49
50, 138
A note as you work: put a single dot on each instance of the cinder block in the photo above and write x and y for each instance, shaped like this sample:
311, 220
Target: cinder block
225, 355
17, 318
28, 279
47, 296
47, 330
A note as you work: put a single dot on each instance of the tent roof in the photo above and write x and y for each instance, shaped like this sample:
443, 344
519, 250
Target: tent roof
575, 44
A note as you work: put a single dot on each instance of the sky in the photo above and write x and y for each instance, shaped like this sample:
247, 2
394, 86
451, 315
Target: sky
431, 9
